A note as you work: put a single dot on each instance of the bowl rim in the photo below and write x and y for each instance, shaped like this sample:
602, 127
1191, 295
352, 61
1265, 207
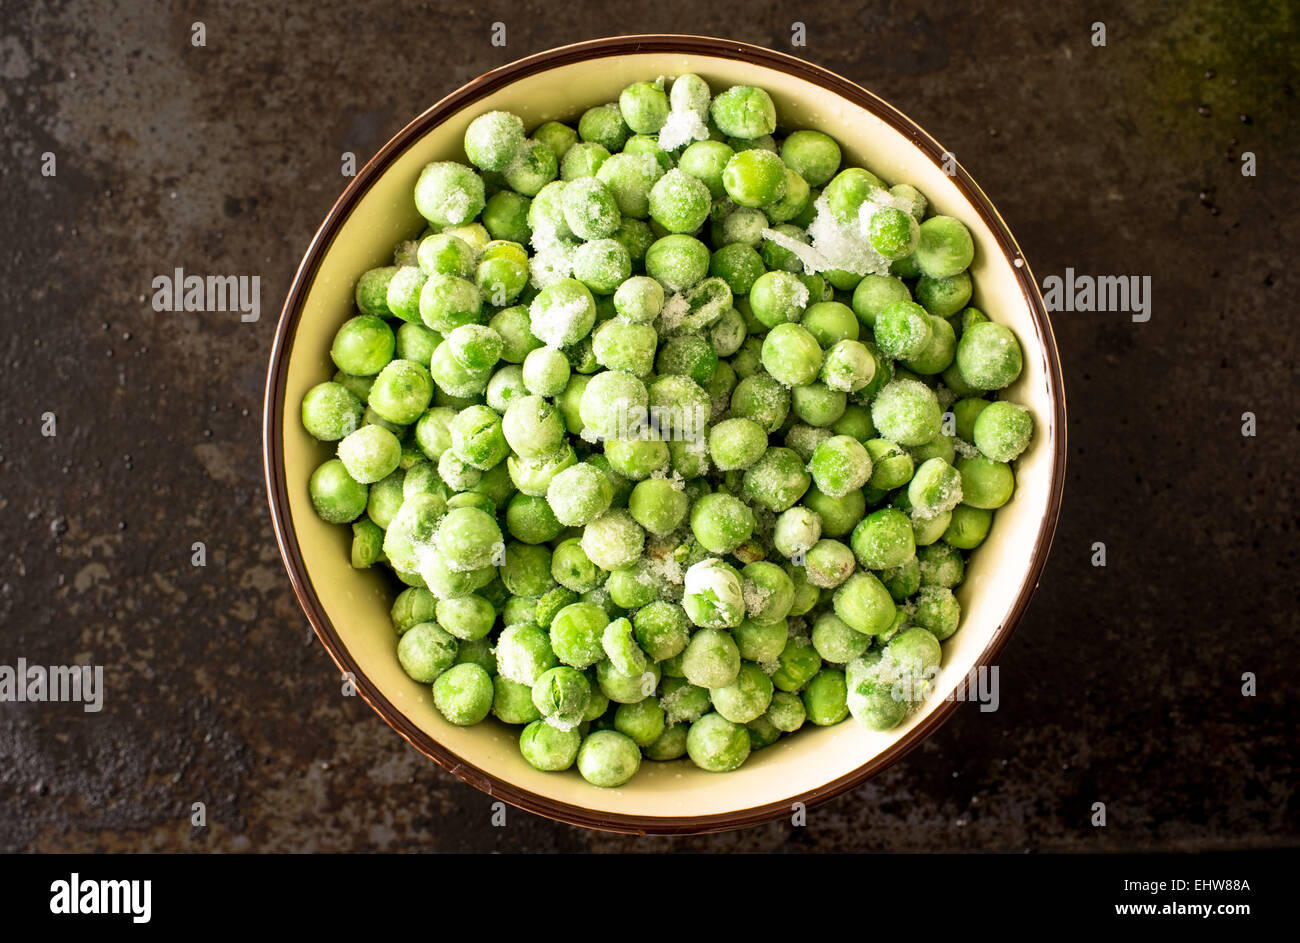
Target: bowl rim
273, 452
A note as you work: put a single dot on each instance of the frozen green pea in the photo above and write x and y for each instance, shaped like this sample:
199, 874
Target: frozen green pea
370, 453
736, 443
864, 604
445, 254
755, 178
425, 651
463, 694
883, 539
514, 327
579, 494
745, 698
363, 346
613, 540
761, 644
938, 611
605, 126
657, 505
721, 522
838, 515
677, 261
402, 391
839, 465
533, 427
874, 294
477, 437
828, 563
739, 225
492, 140
561, 695
458, 475
643, 721
449, 194
371, 293
621, 648
944, 297
786, 712
534, 475
524, 653
562, 313
448, 301
744, 111
533, 167
575, 633
558, 137
713, 595
763, 399
706, 161
825, 697
590, 208
796, 531
630, 178
711, 659
506, 216
549, 748
627, 689
639, 299
670, 745
679, 202
935, 488
835, 641
903, 580
939, 350
468, 617
945, 247
630, 348
792, 203
969, 526
797, 664
545, 372
941, 565
662, 629
815, 156
902, 330
907, 413
1001, 431
792, 355
985, 483
512, 703
613, 404
816, 404
965, 414
525, 569
584, 159
716, 744
608, 758
330, 412
848, 190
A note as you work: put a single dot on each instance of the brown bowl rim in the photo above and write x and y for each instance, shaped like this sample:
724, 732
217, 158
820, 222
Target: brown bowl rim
277, 375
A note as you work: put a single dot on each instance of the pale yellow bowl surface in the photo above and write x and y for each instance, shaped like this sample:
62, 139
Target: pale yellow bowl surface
353, 605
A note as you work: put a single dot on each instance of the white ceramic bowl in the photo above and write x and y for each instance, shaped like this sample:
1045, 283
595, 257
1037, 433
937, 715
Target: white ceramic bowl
349, 608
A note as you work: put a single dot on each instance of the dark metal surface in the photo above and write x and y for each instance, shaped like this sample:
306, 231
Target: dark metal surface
1123, 683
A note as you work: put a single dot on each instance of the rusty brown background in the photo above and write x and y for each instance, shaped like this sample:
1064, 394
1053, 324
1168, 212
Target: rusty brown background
1122, 685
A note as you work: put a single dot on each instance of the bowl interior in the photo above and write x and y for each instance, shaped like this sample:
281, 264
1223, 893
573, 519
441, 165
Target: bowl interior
356, 602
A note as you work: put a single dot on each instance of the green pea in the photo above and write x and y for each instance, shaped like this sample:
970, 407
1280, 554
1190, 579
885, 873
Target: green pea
755, 178
797, 664
744, 111
363, 346
945, 247
716, 744
815, 156
463, 694
608, 758
969, 527
1001, 431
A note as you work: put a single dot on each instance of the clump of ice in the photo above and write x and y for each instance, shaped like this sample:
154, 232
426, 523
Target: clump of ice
552, 256
837, 244
682, 127
553, 324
